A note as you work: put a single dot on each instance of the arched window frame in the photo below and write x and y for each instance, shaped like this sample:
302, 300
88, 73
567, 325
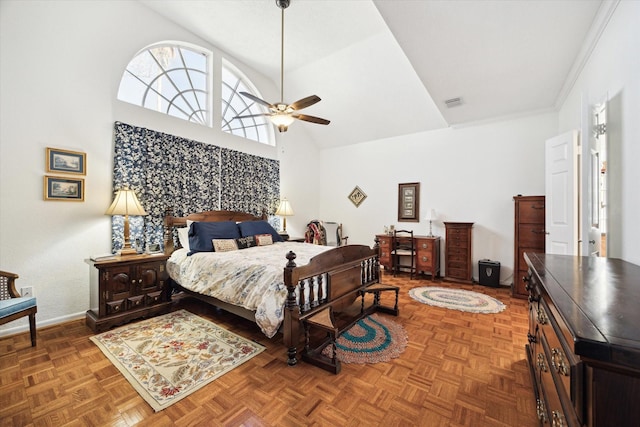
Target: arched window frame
258, 125
205, 101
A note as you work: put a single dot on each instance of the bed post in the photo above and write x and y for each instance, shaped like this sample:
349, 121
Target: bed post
168, 231
291, 325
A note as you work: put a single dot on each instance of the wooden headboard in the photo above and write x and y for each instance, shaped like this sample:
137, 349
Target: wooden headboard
171, 222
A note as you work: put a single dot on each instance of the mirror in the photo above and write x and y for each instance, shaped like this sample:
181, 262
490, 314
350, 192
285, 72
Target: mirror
598, 234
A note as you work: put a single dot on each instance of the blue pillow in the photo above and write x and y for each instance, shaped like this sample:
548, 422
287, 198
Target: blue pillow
251, 228
201, 234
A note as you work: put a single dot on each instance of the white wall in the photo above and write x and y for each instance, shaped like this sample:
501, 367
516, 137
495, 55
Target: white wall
61, 64
467, 174
613, 73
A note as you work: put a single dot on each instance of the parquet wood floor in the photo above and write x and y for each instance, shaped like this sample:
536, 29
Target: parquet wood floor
459, 369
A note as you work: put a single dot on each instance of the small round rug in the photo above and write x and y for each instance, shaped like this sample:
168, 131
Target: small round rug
373, 339
457, 299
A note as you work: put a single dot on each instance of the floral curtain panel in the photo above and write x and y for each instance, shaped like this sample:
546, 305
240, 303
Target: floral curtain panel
189, 176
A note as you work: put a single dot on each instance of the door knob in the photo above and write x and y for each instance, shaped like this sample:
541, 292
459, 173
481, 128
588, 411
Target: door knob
593, 242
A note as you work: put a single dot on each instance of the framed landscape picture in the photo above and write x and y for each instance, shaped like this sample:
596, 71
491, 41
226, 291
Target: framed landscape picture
409, 202
63, 188
65, 161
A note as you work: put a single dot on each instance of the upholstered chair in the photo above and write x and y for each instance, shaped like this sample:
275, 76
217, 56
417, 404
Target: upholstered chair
13, 306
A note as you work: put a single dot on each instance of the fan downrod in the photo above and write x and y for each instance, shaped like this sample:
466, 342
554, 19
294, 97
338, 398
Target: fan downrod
283, 4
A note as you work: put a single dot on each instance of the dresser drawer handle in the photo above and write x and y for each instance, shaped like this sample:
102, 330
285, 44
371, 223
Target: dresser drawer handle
542, 317
540, 411
558, 362
425, 259
541, 363
557, 419
425, 246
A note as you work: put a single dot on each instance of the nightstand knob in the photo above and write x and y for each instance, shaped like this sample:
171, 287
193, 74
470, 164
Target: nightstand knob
425, 259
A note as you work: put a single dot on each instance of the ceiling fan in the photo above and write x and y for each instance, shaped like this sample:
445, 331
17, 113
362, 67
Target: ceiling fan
281, 114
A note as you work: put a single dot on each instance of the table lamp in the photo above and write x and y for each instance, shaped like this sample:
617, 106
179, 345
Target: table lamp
284, 210
431, 216
126, 203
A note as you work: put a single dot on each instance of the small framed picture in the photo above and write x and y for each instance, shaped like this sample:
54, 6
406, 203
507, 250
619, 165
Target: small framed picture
65, 161
63, 188
409, 202
357, 196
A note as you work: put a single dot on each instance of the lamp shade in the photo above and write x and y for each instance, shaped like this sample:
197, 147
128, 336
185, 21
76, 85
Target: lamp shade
285, 208
125, 202
431, 215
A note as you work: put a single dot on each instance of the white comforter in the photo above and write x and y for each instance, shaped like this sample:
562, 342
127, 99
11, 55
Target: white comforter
252, 278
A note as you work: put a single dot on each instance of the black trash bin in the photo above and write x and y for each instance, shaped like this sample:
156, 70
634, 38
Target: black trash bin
489, 273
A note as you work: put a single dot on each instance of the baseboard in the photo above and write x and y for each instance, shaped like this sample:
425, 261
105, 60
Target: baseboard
39, 324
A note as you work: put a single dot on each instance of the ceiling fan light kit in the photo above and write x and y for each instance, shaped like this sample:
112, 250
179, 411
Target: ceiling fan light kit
281, 114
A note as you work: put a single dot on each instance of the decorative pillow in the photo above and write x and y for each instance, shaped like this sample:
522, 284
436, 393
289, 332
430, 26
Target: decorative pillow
224, 245
246, 242
201, 234
251, 228
264, 239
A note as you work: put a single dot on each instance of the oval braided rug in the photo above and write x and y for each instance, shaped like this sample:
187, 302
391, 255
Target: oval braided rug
457, 299
371, 340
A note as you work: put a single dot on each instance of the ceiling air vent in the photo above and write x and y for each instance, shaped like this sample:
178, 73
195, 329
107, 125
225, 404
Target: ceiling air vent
453, 102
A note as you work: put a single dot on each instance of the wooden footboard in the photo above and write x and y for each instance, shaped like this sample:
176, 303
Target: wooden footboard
330, 281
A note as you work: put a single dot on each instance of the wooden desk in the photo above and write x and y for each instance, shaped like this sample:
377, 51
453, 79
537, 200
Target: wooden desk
427, 253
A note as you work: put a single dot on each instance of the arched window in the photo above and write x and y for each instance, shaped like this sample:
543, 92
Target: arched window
170, 79
258, 127
175, 79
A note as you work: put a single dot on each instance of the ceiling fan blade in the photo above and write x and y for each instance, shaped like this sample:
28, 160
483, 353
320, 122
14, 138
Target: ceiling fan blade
251, 115
256, 99
305, 102
311, 119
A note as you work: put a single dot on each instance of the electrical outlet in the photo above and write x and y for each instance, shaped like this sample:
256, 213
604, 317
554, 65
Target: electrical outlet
27, 292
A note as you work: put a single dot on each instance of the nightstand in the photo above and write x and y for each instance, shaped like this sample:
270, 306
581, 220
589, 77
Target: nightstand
126, 288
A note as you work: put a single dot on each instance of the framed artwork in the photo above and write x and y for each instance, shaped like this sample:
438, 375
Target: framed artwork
63, 188
65, 161
409, 202
357, 196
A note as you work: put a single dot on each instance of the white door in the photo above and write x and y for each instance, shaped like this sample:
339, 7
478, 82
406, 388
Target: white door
562, 192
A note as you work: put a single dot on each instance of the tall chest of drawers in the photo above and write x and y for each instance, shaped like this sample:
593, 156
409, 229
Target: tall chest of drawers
584, 343
529, 236
458, 262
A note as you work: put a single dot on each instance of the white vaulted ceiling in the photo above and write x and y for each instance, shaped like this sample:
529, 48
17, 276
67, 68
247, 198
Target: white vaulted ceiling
385, 67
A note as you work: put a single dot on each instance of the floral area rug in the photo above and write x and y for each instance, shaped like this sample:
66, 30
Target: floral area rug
457, 299
373, 339
168, 357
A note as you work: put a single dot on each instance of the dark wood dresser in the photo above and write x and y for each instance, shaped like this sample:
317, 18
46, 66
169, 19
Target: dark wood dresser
457, 253
529, 236
584, 340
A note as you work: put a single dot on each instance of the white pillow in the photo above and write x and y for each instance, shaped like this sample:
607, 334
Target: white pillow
183, 235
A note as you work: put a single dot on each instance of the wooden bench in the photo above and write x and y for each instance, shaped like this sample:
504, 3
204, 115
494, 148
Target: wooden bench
324, 320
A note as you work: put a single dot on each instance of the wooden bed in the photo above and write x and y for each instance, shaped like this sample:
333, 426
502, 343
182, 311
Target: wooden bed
346, 273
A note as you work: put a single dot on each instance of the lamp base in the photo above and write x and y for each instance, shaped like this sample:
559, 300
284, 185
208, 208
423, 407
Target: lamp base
128, 251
